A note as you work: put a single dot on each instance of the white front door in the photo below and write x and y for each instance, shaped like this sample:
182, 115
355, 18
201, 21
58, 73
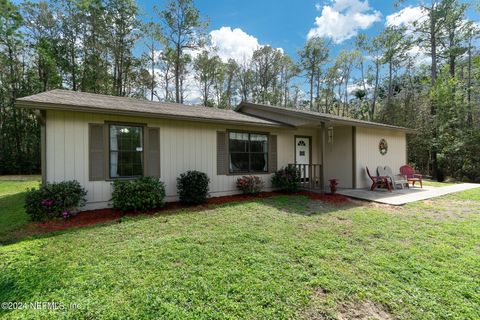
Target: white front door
302, 153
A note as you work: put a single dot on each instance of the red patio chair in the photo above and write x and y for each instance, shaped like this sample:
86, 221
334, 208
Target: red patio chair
410, 175
379, 182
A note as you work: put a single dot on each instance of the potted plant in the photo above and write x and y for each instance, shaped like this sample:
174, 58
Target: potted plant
333, 185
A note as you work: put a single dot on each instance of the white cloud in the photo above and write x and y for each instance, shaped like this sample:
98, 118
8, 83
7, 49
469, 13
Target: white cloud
227, 43
406, 17
419, 55
342, 19
233, 44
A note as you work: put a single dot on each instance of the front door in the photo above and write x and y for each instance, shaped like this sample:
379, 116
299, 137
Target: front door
302, 154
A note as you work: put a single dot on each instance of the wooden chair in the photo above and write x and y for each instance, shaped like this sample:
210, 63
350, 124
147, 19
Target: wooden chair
379, 182
411, 176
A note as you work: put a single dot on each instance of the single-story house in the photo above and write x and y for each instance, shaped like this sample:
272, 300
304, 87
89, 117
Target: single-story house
95, 139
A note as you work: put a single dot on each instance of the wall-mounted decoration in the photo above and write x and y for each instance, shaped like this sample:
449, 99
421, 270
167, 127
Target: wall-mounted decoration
383, 147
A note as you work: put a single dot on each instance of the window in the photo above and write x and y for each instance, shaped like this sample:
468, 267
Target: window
126, 151
248, 152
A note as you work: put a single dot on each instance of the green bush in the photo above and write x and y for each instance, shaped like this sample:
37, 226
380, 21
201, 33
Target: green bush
250, 184
193, 187
55, 200
141, 194
287, 179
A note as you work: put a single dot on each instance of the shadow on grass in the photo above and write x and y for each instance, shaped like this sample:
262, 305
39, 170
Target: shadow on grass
303, 205
291, 204
12, 213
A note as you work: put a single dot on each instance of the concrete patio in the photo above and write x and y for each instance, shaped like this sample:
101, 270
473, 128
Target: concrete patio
402, 196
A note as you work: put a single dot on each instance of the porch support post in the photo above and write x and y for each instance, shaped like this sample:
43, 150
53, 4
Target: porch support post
354, 157
42, 120
322, 156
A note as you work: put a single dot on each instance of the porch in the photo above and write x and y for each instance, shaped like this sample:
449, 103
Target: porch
403, 196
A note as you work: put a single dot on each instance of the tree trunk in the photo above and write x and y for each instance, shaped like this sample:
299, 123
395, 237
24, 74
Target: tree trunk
451, 56
312, 73
152, 83
469, 83
317, 98
177, 74
374, 100
433, 111
13, 85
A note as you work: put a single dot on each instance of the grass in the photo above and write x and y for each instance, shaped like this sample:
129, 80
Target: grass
432, 183
12, 193
279, 258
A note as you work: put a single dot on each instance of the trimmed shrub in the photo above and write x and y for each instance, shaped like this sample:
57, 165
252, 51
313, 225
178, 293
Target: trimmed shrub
287, 179
141, 194
193, 187
250, 184
55, 200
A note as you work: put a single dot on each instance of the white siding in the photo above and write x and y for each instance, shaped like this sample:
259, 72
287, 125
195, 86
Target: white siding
183, 146
338, 157
368, 154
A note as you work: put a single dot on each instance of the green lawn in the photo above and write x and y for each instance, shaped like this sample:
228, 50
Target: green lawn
12, 193
279, 258
432, 183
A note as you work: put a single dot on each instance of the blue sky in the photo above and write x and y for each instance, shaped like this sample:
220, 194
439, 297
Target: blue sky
286, 24
237, 27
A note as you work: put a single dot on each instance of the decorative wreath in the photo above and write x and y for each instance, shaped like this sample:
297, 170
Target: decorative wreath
383, 147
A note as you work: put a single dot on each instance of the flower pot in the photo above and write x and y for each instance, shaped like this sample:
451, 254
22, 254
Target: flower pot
333, 186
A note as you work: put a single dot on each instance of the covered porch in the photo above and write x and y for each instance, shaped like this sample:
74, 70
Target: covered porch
327, 146
329, 154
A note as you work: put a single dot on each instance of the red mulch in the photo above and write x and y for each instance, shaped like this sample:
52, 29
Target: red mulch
91, 217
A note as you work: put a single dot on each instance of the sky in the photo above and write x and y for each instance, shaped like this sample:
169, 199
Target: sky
237, 27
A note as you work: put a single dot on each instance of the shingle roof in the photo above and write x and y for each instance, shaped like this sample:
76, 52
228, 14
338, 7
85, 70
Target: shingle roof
90, 102
322, 116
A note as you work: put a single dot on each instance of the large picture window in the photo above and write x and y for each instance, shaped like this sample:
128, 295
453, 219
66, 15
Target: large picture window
248, 152
126, 151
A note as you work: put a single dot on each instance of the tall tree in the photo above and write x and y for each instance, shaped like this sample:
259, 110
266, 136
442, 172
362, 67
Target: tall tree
19, 131
183, 30
313, 55
152, 34
207, 69
395, 45
70, 25
231, 70
289, 70
266, 64
43, 38
430, 32
456, 30
95, 70
166, 66
122, 23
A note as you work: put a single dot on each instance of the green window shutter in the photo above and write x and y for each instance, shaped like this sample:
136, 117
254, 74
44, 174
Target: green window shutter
152, 152
272, 153
222, 153
97, 148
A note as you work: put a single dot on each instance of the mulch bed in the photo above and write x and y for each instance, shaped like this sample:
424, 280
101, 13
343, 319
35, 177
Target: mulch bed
91, 217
